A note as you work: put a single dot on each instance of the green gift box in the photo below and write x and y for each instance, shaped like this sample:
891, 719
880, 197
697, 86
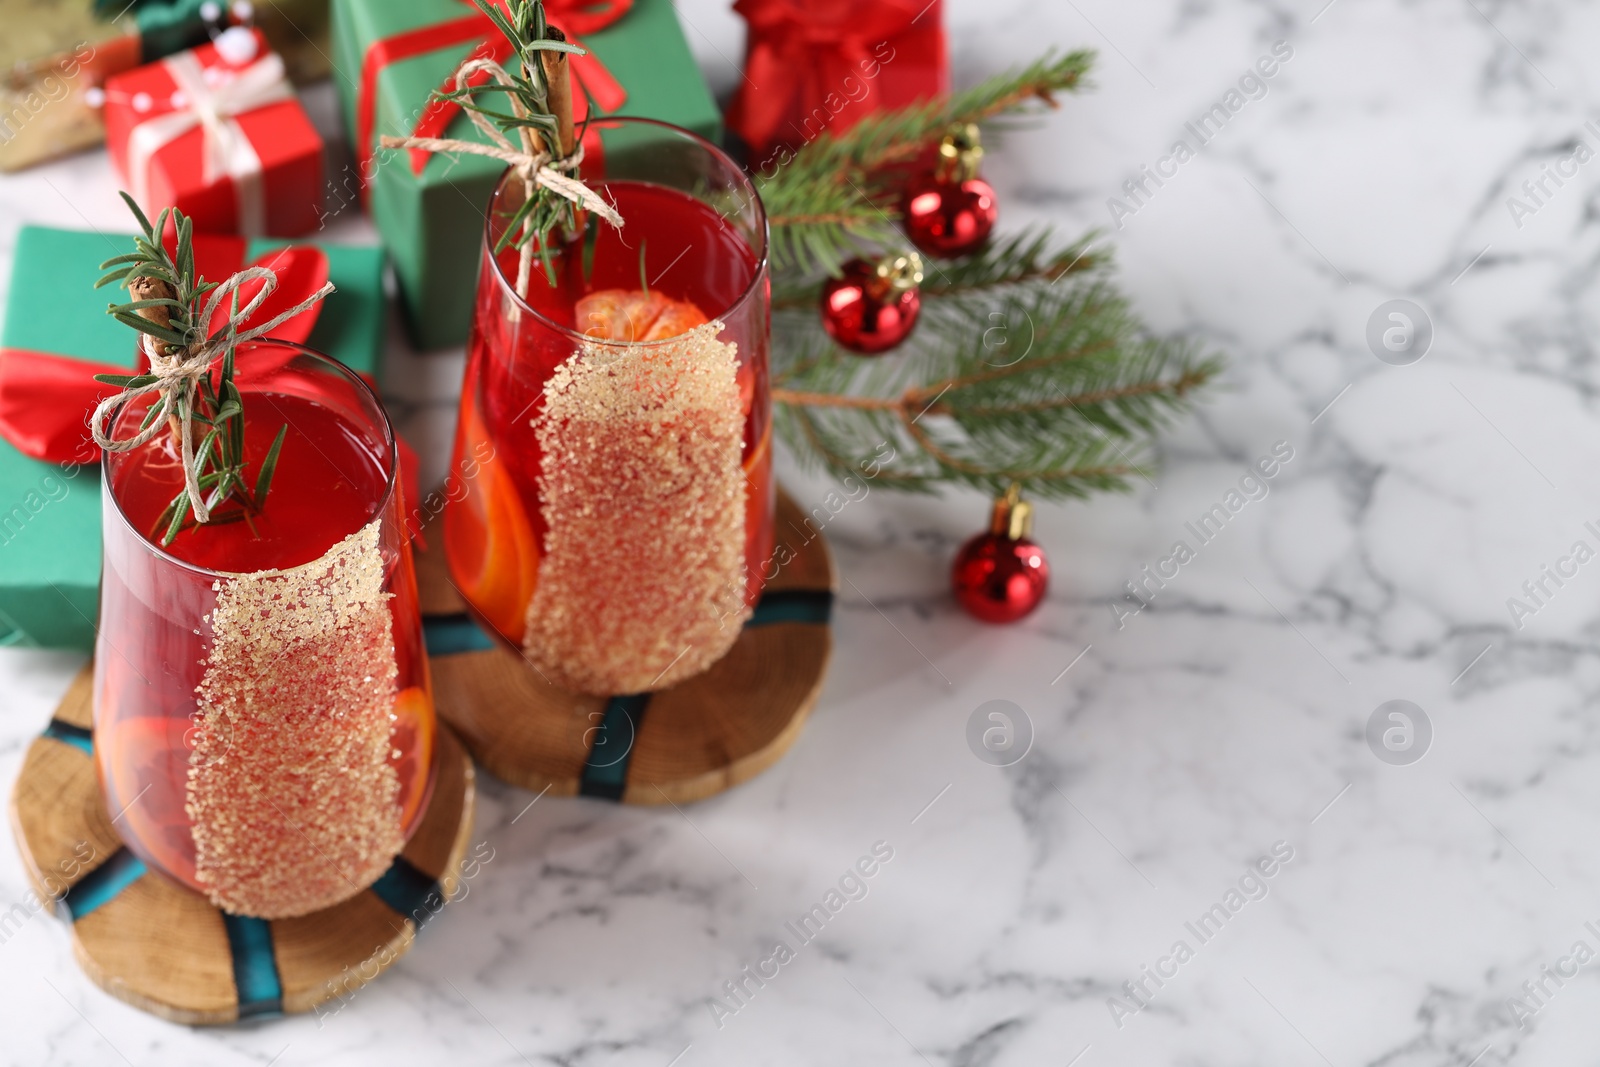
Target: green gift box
50, 512
392, 54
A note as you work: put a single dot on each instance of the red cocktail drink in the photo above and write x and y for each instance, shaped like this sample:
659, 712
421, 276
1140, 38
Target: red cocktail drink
615, 428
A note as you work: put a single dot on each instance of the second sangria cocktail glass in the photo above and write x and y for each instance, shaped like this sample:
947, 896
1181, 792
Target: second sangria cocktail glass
615, 426
264, 725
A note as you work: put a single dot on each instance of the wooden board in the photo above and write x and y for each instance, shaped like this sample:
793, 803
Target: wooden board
164, 948
685, 743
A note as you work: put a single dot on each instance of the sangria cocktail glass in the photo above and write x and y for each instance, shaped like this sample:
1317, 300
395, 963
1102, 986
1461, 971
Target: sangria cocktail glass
264, 724
615, 424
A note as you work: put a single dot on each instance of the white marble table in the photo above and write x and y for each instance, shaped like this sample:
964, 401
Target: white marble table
1227, 718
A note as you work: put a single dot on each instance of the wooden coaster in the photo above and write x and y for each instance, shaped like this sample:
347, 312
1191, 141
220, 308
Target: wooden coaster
681, 744
164, 948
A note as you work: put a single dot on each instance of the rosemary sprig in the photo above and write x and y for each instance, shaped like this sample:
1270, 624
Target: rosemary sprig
529, 99
169, 297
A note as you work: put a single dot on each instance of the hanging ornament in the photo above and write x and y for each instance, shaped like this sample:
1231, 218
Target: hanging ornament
1000, 576
871, 307
951, 212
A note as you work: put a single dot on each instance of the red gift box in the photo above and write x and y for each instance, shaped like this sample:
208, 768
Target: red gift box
813, 65
218, 133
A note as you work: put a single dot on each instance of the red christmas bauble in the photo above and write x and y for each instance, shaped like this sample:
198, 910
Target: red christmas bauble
999, 579
948, 219
871, 308
1000, 576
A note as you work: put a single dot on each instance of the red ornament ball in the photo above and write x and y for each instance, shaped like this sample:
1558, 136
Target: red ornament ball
871, 308
948, 219
1000, 579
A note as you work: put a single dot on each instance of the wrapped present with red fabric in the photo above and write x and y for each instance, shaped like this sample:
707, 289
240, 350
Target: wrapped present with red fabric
393, 55
56, 336
218, 133
814, 65
57, 54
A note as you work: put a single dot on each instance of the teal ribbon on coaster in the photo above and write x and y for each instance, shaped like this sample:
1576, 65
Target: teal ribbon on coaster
451, 635
67, 733
793, 605
409, 892
255, 967
117, 873
605, 773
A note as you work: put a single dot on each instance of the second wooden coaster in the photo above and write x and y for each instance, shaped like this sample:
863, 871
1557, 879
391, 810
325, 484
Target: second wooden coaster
678, 745
166, 949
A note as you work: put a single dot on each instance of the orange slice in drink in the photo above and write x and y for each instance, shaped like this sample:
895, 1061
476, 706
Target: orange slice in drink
615, 315
488, 540
673, 318
412, 737
634, 315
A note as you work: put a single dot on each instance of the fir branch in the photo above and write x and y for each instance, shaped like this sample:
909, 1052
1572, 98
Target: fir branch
1067, 404
1028, 366
839, 194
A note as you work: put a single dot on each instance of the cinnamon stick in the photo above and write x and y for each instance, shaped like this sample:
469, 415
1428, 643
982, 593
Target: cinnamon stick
559, 82
143, 288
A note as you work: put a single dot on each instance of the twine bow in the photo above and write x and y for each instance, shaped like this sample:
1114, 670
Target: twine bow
177, 375
536, 166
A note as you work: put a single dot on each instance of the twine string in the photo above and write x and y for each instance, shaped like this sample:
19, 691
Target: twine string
535, 165
176, 376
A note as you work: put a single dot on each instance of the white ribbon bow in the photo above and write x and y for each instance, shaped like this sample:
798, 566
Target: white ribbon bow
227, 151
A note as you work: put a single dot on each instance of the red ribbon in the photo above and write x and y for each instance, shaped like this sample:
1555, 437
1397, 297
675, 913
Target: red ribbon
45, 399
574, 16
803, 51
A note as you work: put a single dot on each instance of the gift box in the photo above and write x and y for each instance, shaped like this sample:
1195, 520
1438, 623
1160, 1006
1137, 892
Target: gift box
392, 55
217, 132
814, 65
55, 327
54, 52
